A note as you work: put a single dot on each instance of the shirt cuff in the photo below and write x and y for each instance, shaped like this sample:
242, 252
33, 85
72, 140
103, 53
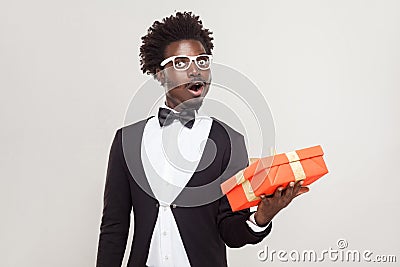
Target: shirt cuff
251, 222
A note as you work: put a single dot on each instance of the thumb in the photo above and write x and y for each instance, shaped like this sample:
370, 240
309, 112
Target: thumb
302, 191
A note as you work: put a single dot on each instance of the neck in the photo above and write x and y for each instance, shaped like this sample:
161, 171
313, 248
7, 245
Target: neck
178, 106
172, 104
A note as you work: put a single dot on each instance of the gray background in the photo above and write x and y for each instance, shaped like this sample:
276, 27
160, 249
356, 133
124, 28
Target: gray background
68, 69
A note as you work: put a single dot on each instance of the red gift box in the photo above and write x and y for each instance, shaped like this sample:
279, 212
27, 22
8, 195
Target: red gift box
265, 175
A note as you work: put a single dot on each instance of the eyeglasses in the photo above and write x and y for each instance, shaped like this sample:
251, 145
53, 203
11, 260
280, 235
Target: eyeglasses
183, 62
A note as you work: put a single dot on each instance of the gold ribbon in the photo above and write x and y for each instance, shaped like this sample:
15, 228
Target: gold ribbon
241, 180
240, 177
297, 168
248, 191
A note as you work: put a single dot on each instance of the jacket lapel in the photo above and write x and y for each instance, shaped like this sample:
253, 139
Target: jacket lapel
132, 136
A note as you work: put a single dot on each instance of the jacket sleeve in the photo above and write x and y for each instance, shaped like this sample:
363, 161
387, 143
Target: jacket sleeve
232, 225
115, 222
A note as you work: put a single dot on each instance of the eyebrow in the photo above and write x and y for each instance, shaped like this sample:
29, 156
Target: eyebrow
198, 53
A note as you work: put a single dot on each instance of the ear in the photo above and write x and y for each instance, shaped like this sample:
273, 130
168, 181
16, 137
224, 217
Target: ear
160, 76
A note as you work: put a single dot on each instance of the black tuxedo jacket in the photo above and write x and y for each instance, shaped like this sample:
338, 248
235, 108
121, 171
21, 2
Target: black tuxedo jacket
204, 229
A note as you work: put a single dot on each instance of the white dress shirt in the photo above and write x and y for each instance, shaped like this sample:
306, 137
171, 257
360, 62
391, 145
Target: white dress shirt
170, 156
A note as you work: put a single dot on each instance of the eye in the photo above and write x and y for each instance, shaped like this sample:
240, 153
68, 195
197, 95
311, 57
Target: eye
203, 61
180, 64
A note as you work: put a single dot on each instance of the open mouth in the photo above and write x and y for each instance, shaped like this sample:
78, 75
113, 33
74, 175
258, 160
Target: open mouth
196, 88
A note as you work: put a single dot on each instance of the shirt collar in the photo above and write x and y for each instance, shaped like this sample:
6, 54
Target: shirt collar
164, 105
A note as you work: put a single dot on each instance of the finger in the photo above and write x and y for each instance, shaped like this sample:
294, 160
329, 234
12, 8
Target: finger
289, 191
278, 192
264, 202
263, 198
297, 187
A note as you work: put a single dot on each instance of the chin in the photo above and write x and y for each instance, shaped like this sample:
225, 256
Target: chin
193, 103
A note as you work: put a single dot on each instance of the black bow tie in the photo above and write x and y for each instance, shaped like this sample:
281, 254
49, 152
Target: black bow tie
167, 116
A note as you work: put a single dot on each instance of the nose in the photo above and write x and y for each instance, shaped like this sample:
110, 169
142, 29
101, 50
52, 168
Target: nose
193, 70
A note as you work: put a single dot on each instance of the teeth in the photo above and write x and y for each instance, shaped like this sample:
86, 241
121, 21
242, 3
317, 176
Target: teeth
195, 86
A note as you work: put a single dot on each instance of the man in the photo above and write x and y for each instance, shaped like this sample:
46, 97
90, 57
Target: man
171, 225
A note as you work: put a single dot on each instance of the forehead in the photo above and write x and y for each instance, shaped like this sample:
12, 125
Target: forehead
184, 47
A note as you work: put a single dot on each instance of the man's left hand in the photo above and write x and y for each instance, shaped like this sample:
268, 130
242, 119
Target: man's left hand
270, 206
